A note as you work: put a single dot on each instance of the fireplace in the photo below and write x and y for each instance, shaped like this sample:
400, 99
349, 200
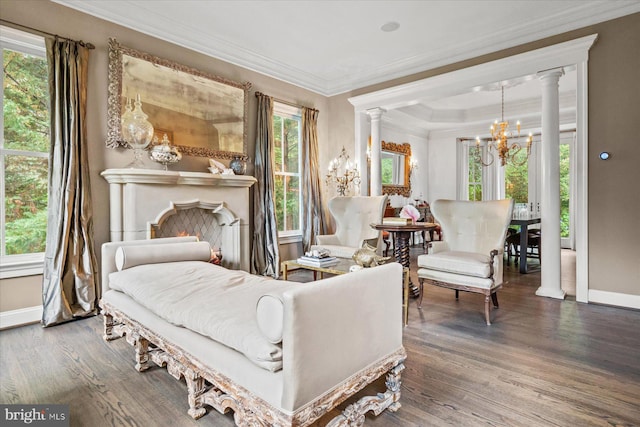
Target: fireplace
210, 222
153, 203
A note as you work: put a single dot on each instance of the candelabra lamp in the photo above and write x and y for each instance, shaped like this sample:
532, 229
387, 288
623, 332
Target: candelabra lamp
343, 173
137, 132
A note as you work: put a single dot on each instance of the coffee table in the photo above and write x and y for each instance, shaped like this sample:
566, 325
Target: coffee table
342, 267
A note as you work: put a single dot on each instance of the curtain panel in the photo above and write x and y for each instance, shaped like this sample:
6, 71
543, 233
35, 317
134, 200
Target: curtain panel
265, 257
70, 275
313, 210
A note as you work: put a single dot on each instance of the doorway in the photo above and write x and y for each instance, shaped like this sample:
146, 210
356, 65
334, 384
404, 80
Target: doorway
572, 54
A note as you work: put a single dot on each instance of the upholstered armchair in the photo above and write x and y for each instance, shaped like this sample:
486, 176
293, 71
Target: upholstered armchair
353, 216
469, 257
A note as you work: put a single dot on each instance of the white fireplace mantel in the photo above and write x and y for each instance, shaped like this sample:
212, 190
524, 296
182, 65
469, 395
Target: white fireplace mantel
139, 196
160, 177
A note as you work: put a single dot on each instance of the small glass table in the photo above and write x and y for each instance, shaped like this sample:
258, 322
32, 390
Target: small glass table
342, 267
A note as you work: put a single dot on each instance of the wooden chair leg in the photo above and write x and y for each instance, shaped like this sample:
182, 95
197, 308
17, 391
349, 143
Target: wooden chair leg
494, 297
487, 310
421, 292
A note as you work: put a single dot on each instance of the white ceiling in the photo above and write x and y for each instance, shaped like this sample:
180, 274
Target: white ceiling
332, 47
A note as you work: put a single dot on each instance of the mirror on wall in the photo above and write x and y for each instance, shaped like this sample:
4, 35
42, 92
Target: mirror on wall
396, 170
202, 114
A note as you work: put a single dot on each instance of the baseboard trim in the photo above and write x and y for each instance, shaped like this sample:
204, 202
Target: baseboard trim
614, 298
22, 316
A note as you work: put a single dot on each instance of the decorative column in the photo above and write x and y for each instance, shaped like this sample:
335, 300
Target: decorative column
362, 132
550, 277
376, 148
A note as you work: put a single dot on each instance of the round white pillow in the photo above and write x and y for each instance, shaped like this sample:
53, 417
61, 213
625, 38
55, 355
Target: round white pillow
130, 256
270, 317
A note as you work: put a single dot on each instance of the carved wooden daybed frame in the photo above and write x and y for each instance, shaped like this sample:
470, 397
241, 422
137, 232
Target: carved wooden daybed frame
207, 386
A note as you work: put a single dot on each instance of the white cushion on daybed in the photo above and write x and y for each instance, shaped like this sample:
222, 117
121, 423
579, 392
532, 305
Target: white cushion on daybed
270, 316
207, 299
131, 256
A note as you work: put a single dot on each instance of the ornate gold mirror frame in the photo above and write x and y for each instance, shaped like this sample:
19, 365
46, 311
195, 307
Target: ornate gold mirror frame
404, 149
203, 114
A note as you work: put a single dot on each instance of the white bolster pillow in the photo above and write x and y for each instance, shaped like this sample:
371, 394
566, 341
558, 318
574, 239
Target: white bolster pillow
270, 317
130, 256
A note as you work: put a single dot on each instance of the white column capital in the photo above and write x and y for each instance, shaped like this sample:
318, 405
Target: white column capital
554, 73
376, 113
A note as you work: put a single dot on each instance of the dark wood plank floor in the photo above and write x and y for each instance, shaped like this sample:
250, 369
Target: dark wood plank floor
543, 362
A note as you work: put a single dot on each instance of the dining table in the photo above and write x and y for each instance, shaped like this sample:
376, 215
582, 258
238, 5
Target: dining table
524, 224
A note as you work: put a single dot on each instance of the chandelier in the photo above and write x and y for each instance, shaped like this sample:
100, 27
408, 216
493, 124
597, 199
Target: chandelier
342, 173
499, 142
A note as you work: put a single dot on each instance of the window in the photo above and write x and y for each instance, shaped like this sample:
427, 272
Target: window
475, 173
287, 128
516, 178
565, 178
24, 153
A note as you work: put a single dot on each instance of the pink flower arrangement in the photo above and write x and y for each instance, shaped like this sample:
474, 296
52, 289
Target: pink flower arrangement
410, 211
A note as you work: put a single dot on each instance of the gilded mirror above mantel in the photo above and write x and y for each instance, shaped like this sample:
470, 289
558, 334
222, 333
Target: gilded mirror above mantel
203, 115
396, 168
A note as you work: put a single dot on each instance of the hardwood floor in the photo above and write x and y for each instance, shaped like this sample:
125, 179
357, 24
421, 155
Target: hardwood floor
543, 362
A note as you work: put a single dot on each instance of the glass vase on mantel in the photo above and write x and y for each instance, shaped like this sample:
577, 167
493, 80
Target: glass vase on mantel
137, 131
238, 165
164, 153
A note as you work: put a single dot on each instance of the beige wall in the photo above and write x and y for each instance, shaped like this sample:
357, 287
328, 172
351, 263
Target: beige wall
56, 19
613, 109
20, 292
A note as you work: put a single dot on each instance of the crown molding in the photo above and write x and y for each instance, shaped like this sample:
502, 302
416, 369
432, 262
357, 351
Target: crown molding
448, 84
164, 28
531, 123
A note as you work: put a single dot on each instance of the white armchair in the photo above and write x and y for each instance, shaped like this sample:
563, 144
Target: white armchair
353, 216
469, 258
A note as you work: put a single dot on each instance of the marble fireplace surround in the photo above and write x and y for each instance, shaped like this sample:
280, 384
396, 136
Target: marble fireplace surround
141, 200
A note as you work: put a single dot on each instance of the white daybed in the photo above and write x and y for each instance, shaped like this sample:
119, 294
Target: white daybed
328, 339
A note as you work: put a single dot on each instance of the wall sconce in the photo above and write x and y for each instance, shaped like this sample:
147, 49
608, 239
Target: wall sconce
413, 164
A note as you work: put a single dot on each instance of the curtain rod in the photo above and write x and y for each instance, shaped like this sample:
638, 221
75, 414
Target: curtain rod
44, 33
282, 101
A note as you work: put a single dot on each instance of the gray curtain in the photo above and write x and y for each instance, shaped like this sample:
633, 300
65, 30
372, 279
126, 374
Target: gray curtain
69, 288
313, 211
265, 259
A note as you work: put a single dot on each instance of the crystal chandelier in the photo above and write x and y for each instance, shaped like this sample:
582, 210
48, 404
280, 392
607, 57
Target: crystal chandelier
136, 130
342, 173
499, 142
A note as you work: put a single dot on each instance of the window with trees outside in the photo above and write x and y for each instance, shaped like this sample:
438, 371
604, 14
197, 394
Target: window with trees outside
475, 174
24, 153
516, 178
287, 128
